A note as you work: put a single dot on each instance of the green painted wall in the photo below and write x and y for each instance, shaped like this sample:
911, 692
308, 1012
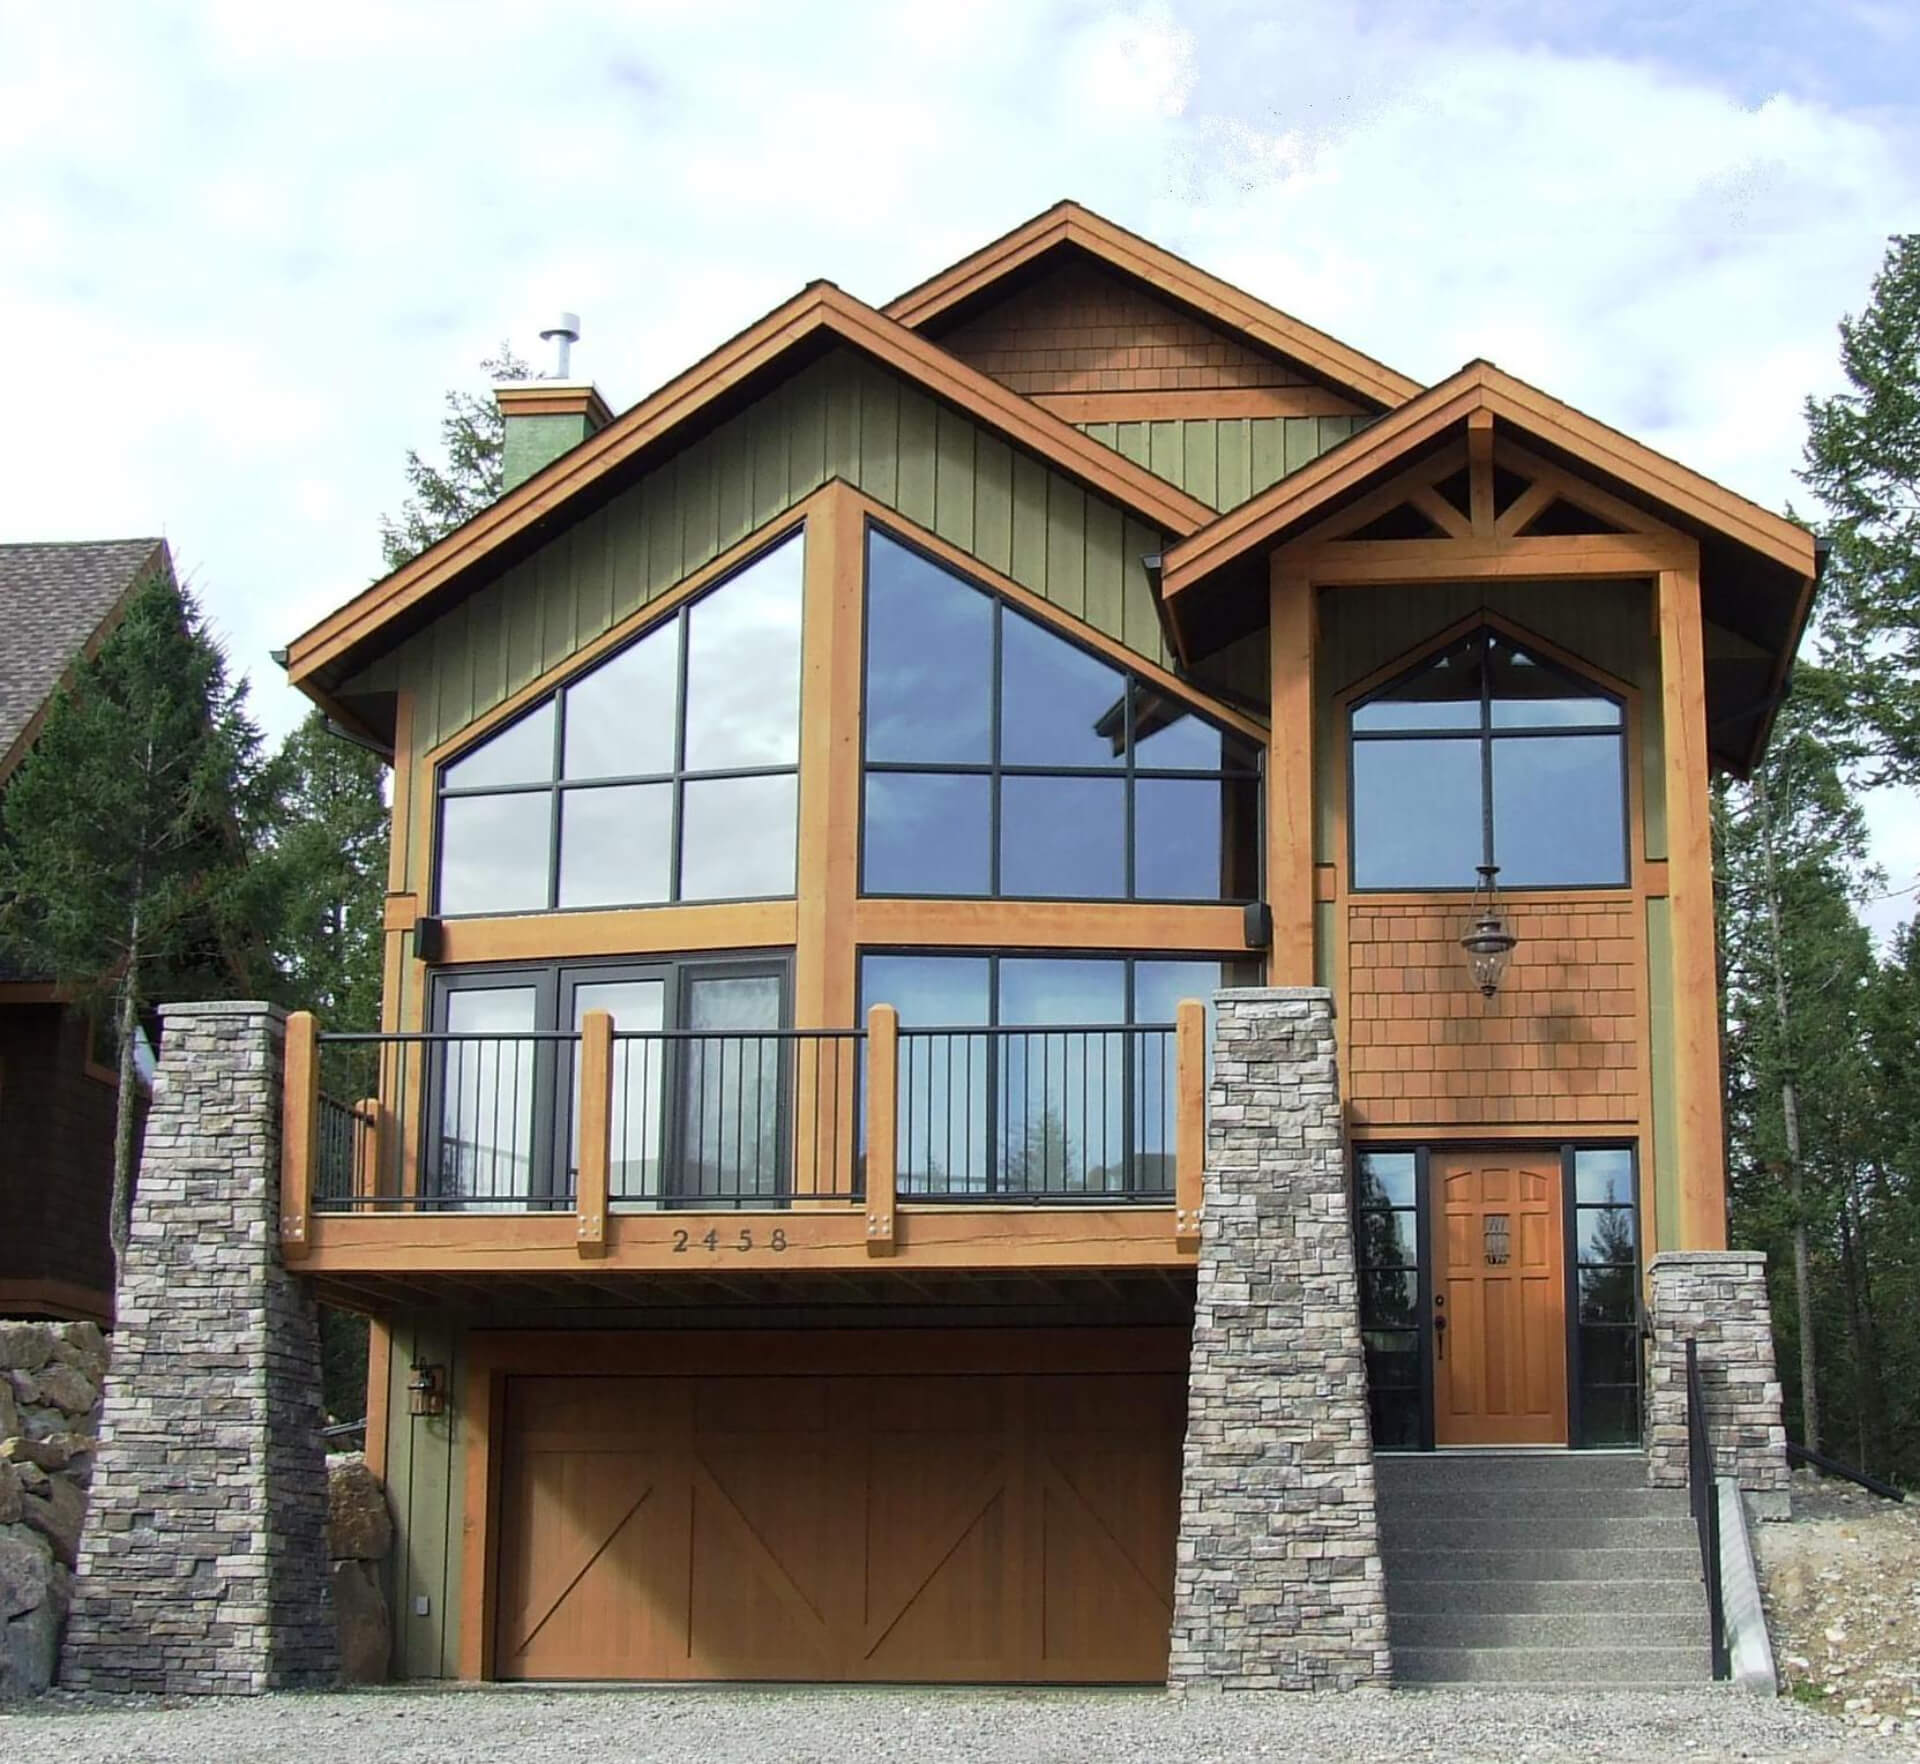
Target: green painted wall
533, 442
1223, 461
1660, 1014
426, 1489
1606, 623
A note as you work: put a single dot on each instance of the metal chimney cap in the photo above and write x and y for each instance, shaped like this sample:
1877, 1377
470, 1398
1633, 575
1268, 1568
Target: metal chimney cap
567, 325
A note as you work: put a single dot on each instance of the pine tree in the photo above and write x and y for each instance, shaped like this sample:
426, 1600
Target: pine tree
443, 497
124, 869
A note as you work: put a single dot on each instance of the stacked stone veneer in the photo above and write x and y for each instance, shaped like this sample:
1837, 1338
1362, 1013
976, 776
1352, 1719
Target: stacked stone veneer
1719, 1298
203, 1565
1278, 1582
50, 1376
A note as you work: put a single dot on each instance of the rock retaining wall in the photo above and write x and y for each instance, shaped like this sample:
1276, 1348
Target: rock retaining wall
1278, 1582
50, 1379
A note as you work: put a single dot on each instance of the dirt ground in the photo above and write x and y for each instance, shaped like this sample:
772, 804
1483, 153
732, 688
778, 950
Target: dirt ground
1841, 1582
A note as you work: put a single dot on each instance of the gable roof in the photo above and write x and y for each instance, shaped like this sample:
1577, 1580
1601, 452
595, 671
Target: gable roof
1067, 230
58, 602
818, 318
1757, 568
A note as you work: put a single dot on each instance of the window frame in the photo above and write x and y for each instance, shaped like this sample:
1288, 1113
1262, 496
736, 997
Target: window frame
554, 981
1127, 772
1485, 734
556, 786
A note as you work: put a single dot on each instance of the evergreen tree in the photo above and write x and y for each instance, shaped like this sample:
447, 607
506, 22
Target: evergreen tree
1863, 462
325, 863
124, 869
446, 496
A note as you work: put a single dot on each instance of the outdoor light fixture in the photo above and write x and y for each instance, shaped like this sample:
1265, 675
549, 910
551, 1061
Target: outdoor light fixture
427, 1389
1490, 940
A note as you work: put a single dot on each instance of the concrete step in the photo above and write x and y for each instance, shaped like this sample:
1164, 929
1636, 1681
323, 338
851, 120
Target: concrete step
1521, 1531
1605, 1501
1489, 1472
1498, 1594
1645, 1668
1600, 1630
1545, 1562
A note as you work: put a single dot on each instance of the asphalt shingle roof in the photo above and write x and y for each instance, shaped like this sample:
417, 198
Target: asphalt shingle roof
53, 598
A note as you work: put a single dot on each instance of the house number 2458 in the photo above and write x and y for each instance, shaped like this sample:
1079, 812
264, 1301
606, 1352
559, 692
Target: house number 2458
713, 1243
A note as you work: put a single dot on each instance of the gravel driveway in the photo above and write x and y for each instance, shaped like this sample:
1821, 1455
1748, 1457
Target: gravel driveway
753, 1726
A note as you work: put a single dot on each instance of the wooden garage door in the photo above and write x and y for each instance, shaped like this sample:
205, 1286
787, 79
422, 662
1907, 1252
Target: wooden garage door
978, 1527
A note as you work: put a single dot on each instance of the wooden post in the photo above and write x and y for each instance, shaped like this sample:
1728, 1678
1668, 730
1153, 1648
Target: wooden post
1190, 1122
368, 1116
1480, 472
1699, 1147
1290, 767
883, 1107
299, 1132
596, 1132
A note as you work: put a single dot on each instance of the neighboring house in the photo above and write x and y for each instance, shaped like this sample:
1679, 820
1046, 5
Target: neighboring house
58, 604
888, 724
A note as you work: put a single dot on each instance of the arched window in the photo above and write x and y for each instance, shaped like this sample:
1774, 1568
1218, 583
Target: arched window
1003, 759
1486, 754
668, 771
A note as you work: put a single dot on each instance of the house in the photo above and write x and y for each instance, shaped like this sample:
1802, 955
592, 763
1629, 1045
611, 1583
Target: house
58, 604
828, 798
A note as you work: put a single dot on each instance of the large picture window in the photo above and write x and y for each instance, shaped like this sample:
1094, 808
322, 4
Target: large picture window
1485, 754
1003, 759
667, 772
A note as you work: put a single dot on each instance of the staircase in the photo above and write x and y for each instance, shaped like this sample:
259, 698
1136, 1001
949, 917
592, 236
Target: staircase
1543, 1568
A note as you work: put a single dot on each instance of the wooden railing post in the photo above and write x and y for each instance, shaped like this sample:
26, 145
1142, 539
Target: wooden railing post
299, 1132
1190, 1122
883, 1107
368, 1114
596, 1131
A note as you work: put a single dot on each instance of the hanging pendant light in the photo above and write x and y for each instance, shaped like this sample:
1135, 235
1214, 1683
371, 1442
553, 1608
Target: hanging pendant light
1489, 940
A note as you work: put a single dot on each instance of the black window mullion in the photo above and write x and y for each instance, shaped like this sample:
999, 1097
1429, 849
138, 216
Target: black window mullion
993, 755
679, 753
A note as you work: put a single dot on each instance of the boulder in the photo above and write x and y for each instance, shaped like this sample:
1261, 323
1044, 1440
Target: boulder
360, 1615
32, 1478
57, 1515
68, 1389
53, 1453
29, 1652
26, 1387
9, 1494
9, 1410
25, 1347
26, 1572
82, 1346
359, 1527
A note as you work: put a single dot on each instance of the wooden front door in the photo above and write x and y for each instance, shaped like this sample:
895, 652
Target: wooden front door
959, 1528
1499, 1304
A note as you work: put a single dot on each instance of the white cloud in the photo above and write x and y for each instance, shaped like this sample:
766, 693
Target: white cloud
248, 248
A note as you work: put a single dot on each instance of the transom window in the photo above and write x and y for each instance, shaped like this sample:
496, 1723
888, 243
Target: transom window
668, 771
1485, 754
1002, 759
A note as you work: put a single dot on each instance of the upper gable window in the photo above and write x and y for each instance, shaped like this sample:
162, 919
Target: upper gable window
668, 771
1003, 759
1485, 754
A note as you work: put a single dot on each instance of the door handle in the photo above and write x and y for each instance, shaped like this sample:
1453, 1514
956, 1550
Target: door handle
1439, 1336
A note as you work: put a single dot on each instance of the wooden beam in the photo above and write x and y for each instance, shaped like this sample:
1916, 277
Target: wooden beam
379, 1391
299, 1133
1531, 501
1698, 1140
1049, 924
1293, 647
634, 931
596, 1132
1441, 512
1190, 1123
478, 1420
1480, 471
1372, 562
883, 1112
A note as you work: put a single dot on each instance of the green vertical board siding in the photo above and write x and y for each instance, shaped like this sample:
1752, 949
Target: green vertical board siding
1326, 932
426, 1490
1660, 1055
841, 416
1224, 461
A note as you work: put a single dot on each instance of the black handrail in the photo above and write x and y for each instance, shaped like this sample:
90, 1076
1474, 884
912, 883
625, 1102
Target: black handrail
1704, 1499
1799, 1454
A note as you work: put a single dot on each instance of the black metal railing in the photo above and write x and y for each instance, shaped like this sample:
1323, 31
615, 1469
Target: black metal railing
1809, 1459
491, 1121
1704, 1499
1044, 1115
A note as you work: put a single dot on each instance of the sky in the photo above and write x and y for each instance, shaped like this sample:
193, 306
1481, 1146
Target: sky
246, 249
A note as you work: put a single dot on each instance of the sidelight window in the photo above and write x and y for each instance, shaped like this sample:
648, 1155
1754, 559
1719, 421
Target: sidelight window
1485, 754
666, 772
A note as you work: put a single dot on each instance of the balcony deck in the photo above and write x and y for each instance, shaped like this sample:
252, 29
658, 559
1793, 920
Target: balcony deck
933, 1152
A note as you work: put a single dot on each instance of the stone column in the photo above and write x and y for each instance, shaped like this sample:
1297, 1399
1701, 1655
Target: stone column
203, 1565
1278, 1583
1719, 1297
